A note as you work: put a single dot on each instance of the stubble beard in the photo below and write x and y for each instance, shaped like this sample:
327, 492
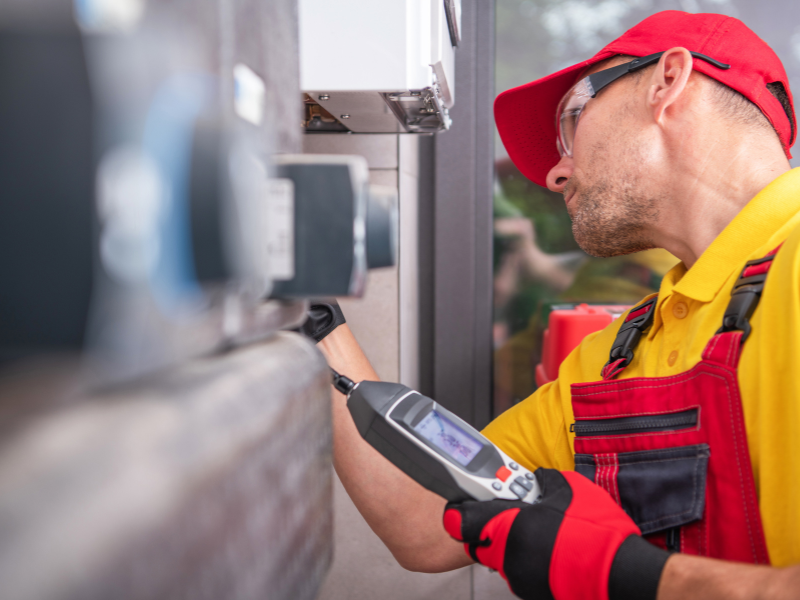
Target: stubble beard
611, 219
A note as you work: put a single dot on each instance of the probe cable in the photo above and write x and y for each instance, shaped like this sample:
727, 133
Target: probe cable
342, 383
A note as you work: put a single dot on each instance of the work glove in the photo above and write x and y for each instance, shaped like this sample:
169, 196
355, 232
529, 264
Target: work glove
322, 318
575, 544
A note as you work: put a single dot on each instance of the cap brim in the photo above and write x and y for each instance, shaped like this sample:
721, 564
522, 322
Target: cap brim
526, 119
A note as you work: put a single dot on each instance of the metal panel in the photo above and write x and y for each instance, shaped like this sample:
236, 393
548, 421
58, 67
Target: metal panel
409, 264
374, 318
360, 112
380, 150
212, 480
463, 228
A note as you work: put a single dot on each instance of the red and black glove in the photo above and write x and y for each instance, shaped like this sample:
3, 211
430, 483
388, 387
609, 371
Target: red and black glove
576, 544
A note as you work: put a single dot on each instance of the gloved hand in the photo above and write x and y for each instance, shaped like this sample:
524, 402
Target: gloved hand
323, 317
576, 544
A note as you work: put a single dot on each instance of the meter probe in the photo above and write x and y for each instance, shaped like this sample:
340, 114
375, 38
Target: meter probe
433, 446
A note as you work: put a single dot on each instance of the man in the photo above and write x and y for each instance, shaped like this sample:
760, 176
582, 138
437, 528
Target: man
685, 412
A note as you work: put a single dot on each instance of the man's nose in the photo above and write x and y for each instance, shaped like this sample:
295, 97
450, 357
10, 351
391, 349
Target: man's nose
559, 175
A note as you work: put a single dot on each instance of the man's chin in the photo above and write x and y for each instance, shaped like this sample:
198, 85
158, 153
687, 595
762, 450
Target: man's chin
607, 246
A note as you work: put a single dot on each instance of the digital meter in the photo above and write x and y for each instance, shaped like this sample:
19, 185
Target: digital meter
434, 447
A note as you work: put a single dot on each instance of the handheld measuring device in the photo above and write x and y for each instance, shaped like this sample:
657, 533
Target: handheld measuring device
433, 446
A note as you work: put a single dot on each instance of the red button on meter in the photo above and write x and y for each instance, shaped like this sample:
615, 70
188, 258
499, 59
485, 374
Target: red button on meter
503, 473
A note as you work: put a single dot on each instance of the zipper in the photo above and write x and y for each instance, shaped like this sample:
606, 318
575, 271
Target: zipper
642, 424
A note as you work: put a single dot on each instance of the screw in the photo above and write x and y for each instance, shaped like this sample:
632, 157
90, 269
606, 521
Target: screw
324, 97
345, 116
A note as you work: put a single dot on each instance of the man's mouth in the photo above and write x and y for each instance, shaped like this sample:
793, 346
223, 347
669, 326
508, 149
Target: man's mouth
568, 197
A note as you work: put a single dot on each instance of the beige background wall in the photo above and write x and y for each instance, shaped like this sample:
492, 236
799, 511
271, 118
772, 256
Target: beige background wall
386, 323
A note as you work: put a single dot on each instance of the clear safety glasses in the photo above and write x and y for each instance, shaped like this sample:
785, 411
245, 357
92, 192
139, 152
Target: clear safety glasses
574, 101
569, 111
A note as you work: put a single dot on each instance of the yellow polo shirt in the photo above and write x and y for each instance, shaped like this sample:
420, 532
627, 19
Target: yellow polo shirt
690, 307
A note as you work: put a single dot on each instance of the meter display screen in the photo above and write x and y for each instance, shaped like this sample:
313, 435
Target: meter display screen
448, 437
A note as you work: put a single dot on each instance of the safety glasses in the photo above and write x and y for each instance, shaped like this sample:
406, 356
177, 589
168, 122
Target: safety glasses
574, 101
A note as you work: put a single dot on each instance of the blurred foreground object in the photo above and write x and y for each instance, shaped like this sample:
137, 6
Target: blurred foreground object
343, 225
211, 480
161, 437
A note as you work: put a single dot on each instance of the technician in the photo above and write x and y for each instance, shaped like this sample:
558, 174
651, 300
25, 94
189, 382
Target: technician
668, 450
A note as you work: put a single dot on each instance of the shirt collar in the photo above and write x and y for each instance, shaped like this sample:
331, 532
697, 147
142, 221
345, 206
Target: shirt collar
751, 229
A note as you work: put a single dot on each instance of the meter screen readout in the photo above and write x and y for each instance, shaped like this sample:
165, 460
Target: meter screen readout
449, 437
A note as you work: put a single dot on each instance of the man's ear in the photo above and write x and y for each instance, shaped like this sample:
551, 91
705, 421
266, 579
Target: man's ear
669, 80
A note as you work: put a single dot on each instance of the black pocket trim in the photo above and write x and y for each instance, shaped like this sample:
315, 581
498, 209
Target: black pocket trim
658, 489
685, 419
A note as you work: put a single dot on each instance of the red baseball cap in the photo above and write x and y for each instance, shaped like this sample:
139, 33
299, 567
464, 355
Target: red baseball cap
526, 115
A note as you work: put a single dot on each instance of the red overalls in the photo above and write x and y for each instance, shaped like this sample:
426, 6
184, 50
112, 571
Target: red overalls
672, 451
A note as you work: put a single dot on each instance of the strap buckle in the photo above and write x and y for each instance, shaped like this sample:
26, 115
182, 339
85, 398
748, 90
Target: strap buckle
636, 323
745, 296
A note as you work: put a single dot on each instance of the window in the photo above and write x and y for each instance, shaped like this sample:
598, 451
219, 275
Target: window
537, 264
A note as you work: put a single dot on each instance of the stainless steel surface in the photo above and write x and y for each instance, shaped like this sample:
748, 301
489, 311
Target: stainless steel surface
368, 111
412, 259
382, 226
380, 150
423, 111
418, 111
211, 480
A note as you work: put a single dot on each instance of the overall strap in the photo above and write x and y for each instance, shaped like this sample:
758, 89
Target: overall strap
726, 345
745, 295
636, 323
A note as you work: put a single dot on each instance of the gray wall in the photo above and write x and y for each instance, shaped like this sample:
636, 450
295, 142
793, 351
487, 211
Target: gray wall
388, 322
427, 323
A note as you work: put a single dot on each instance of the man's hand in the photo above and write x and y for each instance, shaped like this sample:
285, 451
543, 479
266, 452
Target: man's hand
577, 543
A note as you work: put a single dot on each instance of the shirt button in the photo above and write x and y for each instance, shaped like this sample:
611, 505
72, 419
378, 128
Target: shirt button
680, 310
673, 356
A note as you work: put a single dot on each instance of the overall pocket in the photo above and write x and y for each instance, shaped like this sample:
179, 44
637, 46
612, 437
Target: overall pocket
684, 419
659, 489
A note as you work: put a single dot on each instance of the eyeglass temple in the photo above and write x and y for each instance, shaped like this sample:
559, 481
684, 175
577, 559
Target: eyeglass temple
601, 79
